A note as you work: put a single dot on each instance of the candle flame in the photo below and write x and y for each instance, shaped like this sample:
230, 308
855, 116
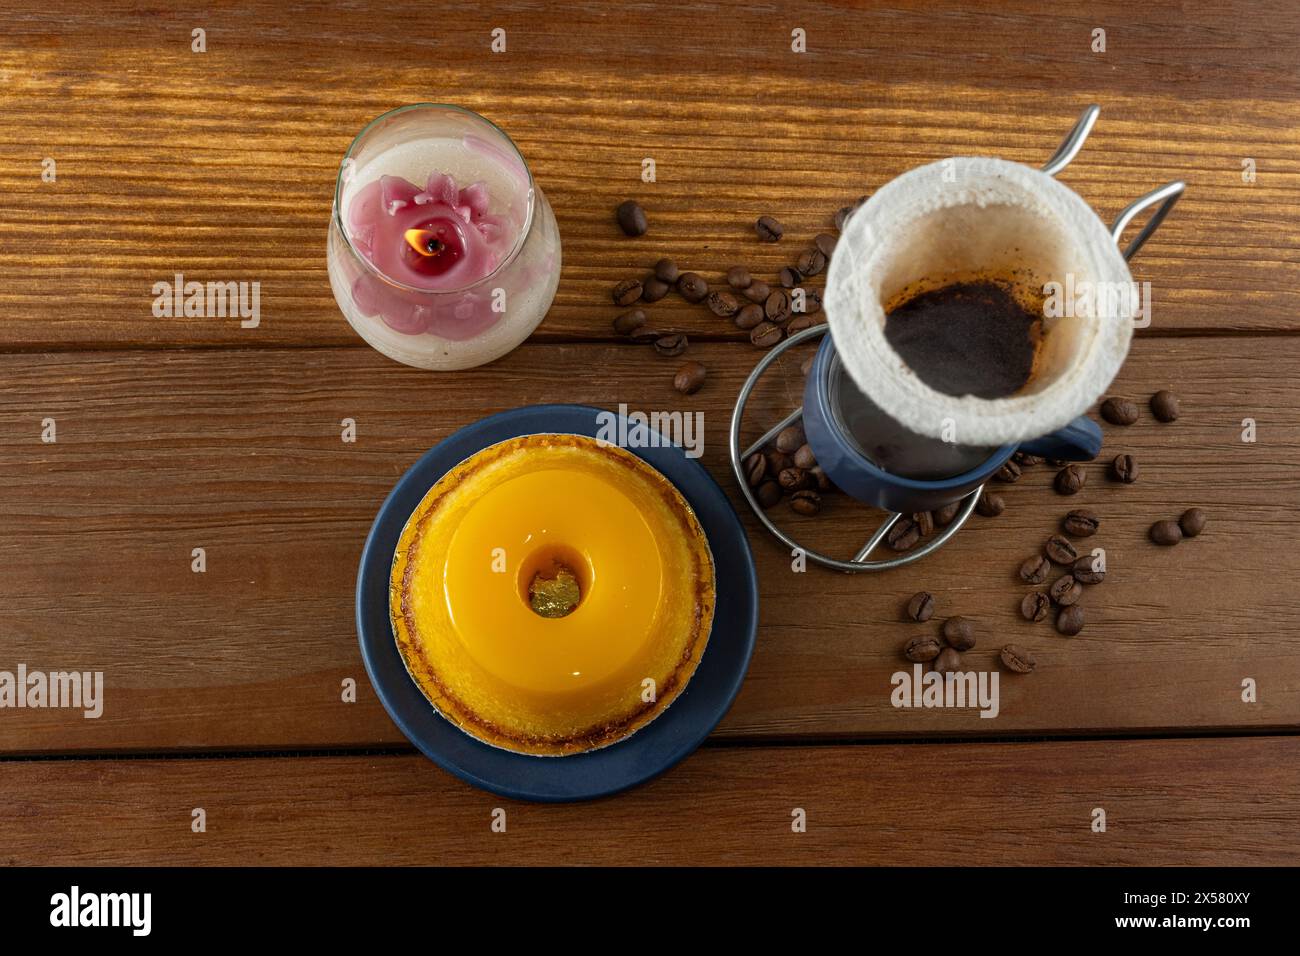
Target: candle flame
425, 242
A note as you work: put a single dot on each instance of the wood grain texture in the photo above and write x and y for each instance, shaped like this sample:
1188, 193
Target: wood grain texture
221, 165
1166, 802
239, 452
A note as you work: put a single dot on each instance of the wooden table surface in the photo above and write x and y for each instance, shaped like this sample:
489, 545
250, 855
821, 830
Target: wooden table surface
223, 688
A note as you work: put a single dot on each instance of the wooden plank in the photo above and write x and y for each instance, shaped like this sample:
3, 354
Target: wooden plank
1222, 802
221, 165
239, 452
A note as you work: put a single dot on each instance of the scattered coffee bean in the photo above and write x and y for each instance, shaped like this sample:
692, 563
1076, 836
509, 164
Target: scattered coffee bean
1166, 533
1060, 550
799, 323
921, 649
789, 277
1070, 621
627, 291
925, 521
666, 271
777, 307
903, 534
1081, 523
959, 632
794, 479
842, 216
826, 243
768, 229
819, 475
812, 301
921, 607
758, 291
1057, 462
738, 278
768, 494
1119, 411
1024, 459
689, 378
1016, 659
990, 505
653, 289
1070, 479
1034, 570
1192, 522
631, 218
1009, 472
947, 661
790, 439
755, 469
1124, 468
806, 502
749, 316
1066, 590
1164, 406
1035, 606
944, 516
810, 262
804, 457
644, 335
671, 345
1086, 571
692, 287
629, 321
765, 335
778, 461
723, 304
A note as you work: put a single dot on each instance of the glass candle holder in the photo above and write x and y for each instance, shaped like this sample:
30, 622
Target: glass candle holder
443, 253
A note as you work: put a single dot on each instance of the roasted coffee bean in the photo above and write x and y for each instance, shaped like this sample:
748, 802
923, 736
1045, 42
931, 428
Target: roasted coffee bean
794, 479
723, 304
806, 502
959, 632
1087, 570
1024, 459
777, 307
903, 534
755, 469
1060, 550
825, 242
1066, 590
819, 475
778, 461
1070, 621
925, 521
758, 291
944, 516
768, 494
1119, 411
921, 649
1192, 522
1164, 406
645, 335
666, 271
1081, 523
1016, 659
921, 606
842, 216
1034, 570
804, 457
1124, 468
627, 291
1035, 606
653, 289
1070, 479
738, 278
812, 302
692, 287
799, 323
629, 321
631, 218
990, 505
768, 229
790, 439
810, 262
948, 660
689, 378
749, 316
1009, 472
1057, 462
789, 277
1166, 533
671, 345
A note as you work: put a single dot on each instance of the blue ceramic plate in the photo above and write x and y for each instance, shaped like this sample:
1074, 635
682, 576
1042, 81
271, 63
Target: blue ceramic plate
652, 749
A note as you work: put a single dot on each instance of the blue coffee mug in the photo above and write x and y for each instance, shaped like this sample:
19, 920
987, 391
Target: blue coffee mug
849, 468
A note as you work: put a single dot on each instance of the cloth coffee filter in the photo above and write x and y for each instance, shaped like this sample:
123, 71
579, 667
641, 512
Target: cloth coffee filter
963, 219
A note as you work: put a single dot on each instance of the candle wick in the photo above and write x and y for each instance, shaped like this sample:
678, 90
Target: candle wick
425, 243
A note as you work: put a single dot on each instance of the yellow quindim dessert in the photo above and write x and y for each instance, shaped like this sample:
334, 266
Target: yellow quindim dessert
460, 594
